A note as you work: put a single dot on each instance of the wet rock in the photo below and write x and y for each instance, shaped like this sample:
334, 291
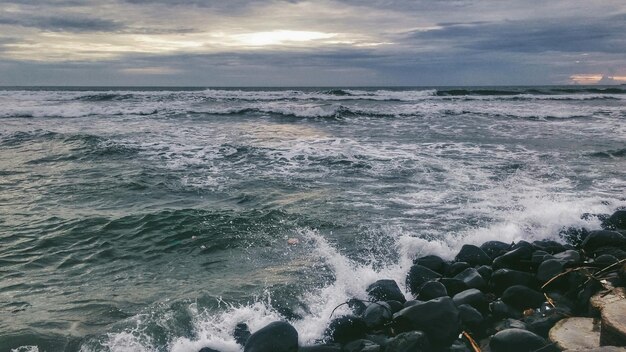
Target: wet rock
432, 262
522, 297
570, 256
501, 310
331, 347
510, 324
614, 251
495, 249
549, 246
603, 238
412, 303
613, 331
485, 271
472, 297
377, 314
412, 341
241, 333
456, 268
357, 306
432, 289
539, 257
549, 269
576, 333
207, 349
473, 255
345, 329
472, 278
541, 324
516, 340
385, 290
361, 345
605, 260
275, 337
453, 286
417, 276
505, 278
472, 319
517, 259
395, 306
616, 221
438, 318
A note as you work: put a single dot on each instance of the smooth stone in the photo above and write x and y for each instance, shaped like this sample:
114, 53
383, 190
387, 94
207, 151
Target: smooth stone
361, 345
417, 276
412, 303
432, 262
345, 329
453, 286
412, 341
472, 278
274, 337
541, 324
505, 278
549, 246
495, 249
473, 297
207, 349
385, 290
522, 297
432, 289
605, 260
603, 238
516, 340
357, 306
485, 271
472, 255
614, 251
517, 259
598, 301
459, 346
455, 268
395, 306
377, 314
549, 269
241, 333
576, 333
613, 331
501, 310
617, 220
470, 317
569, 256
510, 323
438, 318
331, 347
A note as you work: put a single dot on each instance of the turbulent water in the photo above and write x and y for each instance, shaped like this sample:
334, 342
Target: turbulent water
158, 219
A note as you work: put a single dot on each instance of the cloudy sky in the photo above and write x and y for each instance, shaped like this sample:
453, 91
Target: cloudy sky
312, 43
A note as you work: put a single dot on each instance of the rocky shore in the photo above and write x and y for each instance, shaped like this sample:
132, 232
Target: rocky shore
500, 297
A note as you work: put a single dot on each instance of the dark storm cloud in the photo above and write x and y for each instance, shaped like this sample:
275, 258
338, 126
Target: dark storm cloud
66, 24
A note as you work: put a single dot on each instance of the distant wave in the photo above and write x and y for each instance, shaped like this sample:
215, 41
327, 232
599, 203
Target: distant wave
619, 153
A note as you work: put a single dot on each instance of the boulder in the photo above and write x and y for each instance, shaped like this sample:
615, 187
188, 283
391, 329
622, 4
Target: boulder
616, 221
456, 268
276, 337
516, 340
438, 318
549, 246
331, 347
510, 324
385, 290
412, 341
518, 259
495, 249
472, 278
395, 306
357, 306
505, 278
432, 262
412, 303
377, 314
603, 238
417, 276
453, 286
522, 297
207, 349
613, 331
473, 255
432, 289
502, 310
361, 345
549, 269
569, 256
576, 333
345, 329
485, 271
241, 333
472, 297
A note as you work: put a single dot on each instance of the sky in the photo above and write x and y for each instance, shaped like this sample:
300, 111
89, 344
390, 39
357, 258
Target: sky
312, 43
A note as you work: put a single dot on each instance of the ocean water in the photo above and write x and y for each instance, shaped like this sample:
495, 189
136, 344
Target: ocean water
152, 219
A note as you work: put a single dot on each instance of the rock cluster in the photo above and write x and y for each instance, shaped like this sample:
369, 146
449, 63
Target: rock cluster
495, 297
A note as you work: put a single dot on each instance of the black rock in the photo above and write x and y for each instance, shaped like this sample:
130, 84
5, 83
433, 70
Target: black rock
510, 324
569, 256
385, 290
522, 297
505, 278
541, 324
361, 345
549, 269
618, 253
331, 347
518, 259
438, 318
357, 306
549, 246
456, 268
472, 297
453, 286
275, 337
207, 349
516, 340
432, 262
539, 257
345, 329
412, 303
485, 271
523, 244
432, 289
377, 314
412, 341
472, 319
501, 310
417, 276
495, 249
603, 238
473, 255
395, 306
472, 278
459, 346
241, 333
616, 221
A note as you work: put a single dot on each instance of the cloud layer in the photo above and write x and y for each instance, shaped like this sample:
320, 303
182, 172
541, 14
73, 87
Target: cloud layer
304, 43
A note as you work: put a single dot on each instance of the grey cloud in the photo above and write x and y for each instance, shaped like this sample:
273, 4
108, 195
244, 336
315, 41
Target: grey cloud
64, 23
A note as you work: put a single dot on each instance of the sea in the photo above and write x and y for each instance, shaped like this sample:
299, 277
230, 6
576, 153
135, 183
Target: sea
156, 219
